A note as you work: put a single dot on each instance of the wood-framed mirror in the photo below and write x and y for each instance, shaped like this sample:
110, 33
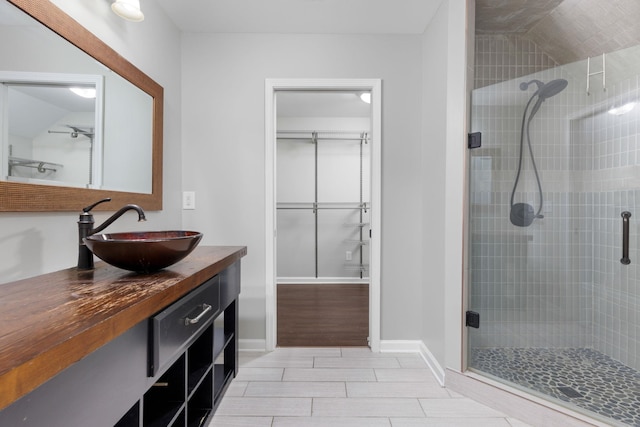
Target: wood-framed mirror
35, 197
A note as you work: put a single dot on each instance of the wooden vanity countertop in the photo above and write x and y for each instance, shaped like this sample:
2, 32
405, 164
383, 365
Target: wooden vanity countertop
51, 321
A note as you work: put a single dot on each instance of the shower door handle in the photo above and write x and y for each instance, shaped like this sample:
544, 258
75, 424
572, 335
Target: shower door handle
625, 238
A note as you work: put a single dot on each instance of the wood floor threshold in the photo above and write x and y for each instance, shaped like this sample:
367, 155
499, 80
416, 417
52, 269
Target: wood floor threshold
323, 315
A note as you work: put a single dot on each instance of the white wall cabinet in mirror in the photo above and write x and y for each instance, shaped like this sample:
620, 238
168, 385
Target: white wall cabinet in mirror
55, 157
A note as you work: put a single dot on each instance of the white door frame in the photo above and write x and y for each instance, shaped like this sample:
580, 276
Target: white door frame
271, 87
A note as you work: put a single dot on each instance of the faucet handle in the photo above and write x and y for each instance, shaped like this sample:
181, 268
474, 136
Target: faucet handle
88, 208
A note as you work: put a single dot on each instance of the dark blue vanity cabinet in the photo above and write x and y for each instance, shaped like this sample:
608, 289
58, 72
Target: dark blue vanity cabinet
170, 369
193, 356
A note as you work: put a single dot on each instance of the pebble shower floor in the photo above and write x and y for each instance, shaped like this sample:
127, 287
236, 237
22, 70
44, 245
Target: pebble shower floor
583, 377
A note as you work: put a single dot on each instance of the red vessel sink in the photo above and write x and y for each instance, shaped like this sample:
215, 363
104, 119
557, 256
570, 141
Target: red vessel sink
144, 251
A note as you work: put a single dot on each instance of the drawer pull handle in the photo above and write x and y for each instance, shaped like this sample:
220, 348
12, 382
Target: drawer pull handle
205, 309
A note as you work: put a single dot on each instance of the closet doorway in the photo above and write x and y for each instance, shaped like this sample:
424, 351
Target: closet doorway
323, 154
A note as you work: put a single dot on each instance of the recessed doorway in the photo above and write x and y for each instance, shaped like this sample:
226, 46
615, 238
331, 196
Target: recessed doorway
323, 215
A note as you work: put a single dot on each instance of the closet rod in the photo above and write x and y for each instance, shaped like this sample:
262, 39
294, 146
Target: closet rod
293, 208
338, 204
357, 136
324, 131
325, 139
40, 165
325, 205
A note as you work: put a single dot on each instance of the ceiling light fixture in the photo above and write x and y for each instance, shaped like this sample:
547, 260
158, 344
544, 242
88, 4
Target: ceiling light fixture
618, 111
85, 92
366, 97
128, 9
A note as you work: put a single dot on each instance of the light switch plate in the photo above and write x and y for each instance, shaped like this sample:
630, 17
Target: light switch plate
188, 200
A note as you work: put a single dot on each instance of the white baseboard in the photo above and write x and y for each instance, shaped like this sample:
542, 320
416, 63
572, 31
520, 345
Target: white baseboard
432, 363
415, 346
400, 346
252, 345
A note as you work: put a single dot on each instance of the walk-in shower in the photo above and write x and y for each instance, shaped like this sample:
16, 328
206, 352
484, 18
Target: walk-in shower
559, 308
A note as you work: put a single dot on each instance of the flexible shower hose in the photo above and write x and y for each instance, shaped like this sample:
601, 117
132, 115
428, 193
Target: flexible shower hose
533, 160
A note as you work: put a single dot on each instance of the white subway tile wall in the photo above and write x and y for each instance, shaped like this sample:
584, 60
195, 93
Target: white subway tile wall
500, 57
559, 282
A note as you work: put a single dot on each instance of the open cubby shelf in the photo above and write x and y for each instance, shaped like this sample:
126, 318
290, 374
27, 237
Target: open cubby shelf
221, 341
190, 382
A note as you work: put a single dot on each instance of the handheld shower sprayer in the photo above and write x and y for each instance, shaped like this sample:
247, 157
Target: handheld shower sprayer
523, 214
548, 90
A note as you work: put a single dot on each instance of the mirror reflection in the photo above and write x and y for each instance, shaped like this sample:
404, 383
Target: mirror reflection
50, 135
51, 123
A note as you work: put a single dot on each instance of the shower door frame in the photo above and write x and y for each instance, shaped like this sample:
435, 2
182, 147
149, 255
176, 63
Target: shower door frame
272, 86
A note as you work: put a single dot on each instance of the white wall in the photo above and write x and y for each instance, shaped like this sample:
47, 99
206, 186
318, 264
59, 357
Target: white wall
36, 243
443, 183
434, 100
223, 133
126, 163
456, 181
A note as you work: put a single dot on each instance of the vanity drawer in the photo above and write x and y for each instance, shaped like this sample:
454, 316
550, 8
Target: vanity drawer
175, 327
229, 284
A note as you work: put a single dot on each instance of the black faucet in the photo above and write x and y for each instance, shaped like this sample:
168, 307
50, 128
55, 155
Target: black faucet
85, 228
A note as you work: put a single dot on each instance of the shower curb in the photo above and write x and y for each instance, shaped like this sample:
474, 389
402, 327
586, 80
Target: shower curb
518, 404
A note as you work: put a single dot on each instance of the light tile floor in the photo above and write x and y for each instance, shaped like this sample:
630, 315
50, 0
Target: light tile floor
345, 387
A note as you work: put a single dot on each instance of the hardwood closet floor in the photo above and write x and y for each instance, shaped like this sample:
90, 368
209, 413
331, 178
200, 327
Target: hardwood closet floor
323, 315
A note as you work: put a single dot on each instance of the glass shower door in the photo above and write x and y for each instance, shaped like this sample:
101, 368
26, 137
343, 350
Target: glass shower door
559, 305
